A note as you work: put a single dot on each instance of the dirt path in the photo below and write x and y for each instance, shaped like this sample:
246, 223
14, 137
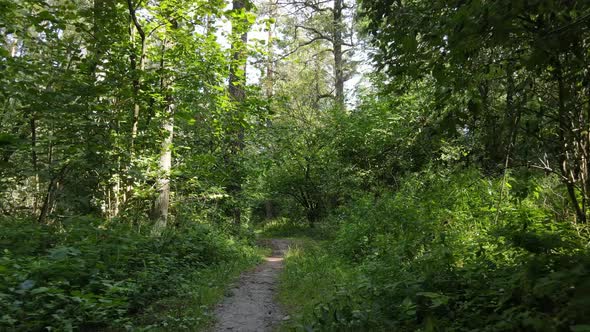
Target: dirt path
251, 307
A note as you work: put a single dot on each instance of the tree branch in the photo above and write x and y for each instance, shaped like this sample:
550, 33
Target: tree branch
319, 34
132, 14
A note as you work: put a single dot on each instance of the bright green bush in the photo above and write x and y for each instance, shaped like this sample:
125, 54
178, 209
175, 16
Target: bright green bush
447, 252
80, 274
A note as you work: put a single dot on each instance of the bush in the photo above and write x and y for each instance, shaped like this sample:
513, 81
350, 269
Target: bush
81, 274
447, 252
315, 286
284, 227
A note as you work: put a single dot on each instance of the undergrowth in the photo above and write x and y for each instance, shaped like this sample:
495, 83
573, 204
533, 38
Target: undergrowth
444, 253
84, 274
285, 227
311, 276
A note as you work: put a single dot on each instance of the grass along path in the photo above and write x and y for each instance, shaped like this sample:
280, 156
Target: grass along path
311, 276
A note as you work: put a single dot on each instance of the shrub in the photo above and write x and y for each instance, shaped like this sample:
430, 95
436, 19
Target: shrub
80, 274
448, 252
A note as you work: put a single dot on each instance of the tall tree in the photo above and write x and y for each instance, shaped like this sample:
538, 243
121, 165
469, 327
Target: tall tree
136, 67
327, 22
237, 91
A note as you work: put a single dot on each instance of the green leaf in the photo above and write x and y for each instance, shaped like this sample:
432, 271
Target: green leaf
39, 290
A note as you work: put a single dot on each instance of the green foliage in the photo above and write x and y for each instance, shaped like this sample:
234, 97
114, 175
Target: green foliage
443, 253
313, 277
284, 227
507, 75
82, 273
454, 192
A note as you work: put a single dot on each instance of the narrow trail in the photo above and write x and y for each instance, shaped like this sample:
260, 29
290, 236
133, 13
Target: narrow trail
251, 307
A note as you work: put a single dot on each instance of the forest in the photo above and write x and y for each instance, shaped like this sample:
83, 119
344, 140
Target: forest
422, 165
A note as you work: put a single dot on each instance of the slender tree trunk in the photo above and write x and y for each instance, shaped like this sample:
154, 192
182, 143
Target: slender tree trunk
318, 92
270, 65
270, 61
49, 194
46, 202
585, 138
34, 162
268, 207
566, 165
136, 68
49, 199
338, 25
123, 188
237, 82
14, 47
237, 75
162, 202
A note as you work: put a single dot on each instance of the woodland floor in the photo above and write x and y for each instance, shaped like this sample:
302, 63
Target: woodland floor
251, 304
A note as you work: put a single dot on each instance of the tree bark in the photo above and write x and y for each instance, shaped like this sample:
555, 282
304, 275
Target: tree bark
237, 74
33, 124
136, 68
162, 202
48, 202
337, 49
565, 132
237, 82
268, 207
269, 80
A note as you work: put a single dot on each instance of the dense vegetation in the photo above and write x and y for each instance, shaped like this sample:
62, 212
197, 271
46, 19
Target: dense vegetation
84, 274
434, 154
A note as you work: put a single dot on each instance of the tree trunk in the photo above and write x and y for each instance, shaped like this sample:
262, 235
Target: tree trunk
237, 82
237, 74
269, 209
337, 49
124, 186
34, 162
136, 69
269, 86
162, 202
567, 166
48, 202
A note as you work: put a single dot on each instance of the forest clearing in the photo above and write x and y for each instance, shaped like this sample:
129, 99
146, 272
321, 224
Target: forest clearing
295, 165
